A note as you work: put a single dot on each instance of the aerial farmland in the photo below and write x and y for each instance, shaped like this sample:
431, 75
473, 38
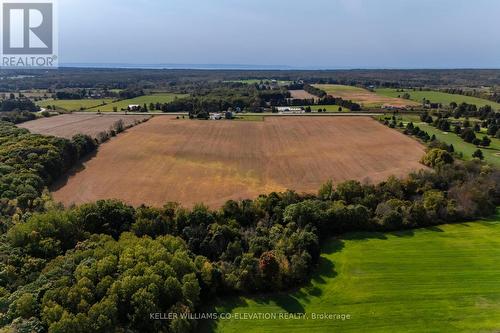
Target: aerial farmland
190, 162
209, 167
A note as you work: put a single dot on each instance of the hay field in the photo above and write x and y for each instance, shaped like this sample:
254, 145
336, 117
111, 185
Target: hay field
363, 97
67, 125
74, 104
190, 161
141, 100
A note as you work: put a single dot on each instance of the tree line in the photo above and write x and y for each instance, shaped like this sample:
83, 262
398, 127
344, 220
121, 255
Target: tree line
29, 163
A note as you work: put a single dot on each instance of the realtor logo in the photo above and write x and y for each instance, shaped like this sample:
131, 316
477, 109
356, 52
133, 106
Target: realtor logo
28, 35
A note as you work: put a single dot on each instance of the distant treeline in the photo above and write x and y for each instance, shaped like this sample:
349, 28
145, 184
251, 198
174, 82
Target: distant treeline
315, 91
17, 117
17, 104
174, 80
249, 98
495, 97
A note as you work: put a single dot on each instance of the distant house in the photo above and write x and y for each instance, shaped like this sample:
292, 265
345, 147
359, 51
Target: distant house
215, 116
133, 107
393, 107
288, 109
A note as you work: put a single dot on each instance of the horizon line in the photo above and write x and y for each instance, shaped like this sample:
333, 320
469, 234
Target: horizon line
166, 66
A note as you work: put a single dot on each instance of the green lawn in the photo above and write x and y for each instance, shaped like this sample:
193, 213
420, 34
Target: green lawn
154, 98
329, 108
440, 279
74, 104
437, 97
491, 153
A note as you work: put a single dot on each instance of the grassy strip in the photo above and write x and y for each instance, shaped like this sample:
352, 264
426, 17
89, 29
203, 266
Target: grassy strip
437, 97
141, 100
491, 153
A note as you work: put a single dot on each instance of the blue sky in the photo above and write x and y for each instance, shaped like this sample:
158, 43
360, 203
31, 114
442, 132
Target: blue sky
313, 33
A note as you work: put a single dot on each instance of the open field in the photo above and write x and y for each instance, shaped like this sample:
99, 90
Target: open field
213, 161
74, 104
362, 96
440, 279
329, 108
437, 97
141, 100
491, 153
67, 125
302, 94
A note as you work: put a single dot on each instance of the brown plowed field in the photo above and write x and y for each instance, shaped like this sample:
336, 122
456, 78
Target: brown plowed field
67, 125
302, 94
190, 161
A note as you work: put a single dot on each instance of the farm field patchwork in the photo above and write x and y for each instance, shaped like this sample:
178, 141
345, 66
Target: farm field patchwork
67, 125
440, 279
74, 104
141, 100
437, 97
362, 96
191, 161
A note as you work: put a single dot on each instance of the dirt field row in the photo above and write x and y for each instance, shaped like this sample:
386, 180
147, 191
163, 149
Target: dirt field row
67, 125
189, 162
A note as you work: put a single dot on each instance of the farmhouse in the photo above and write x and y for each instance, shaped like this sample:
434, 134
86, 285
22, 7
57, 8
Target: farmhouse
288, 109
215, 116
134, 107
393, 107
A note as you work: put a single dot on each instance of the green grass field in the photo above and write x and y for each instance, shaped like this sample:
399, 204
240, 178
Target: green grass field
437, 97
329, 108
440, 279
333, 89
491, 153
154, 98
74, 104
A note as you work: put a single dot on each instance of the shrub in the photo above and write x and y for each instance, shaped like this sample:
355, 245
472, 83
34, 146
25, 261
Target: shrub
478, 154
437, 157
